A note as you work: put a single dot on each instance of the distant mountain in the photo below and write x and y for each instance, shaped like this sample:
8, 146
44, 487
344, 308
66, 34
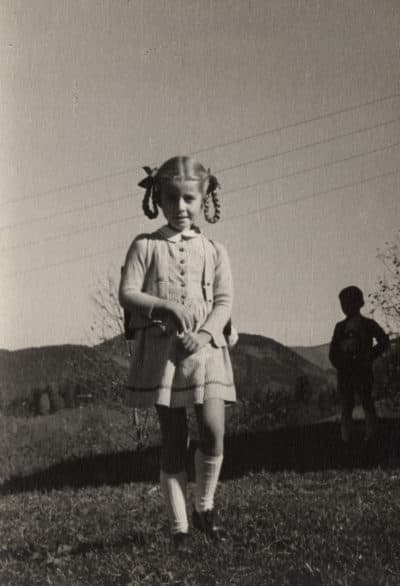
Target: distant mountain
317, 355
22, 371
258, 362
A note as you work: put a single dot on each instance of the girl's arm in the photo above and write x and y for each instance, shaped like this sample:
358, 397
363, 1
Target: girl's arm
144, 307
223, 298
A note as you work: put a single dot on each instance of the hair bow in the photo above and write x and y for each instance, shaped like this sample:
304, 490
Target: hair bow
148, 181
213, 183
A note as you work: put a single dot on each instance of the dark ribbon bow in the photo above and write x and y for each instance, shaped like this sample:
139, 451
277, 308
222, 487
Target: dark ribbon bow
213, 184
148, 181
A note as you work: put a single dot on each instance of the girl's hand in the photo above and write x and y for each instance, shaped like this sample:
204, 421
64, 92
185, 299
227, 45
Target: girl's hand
233, 338
194, 342
182, 318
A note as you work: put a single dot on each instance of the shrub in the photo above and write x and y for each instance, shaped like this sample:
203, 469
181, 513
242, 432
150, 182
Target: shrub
56, 400
44, 404
68, 394
303, 389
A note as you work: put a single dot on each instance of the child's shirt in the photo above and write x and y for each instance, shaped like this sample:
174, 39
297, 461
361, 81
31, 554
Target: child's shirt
181, 267
352, 348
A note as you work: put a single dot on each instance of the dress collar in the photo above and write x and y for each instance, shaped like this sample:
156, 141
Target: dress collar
173, 236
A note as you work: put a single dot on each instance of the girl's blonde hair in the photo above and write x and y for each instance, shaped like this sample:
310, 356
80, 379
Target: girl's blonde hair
179, 169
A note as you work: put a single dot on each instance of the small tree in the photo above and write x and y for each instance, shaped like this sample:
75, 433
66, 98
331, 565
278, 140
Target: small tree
109, 316
385, 300
109, 322
385, 304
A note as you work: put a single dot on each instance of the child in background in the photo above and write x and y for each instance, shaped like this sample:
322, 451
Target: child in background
177, 286
352, 352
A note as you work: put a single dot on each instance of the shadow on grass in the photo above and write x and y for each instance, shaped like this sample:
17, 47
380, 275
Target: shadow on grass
307, 448
40, 554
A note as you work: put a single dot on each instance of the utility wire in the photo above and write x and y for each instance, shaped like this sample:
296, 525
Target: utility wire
69, 211
230, 218
128, 170
310, 145
230, 192
295, 124
311, 195
66, 261
222, 170
314, 168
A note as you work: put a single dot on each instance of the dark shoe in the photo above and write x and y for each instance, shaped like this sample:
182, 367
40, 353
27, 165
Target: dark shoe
207, 523
181, 542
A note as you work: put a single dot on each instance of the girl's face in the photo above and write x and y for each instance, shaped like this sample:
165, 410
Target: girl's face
181, 203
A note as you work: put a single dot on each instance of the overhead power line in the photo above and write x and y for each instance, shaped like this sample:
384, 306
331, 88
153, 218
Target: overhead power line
66, 261
213, 147
230, 218
222, 170
230, 192
295, 124
314, 168
68, 211
311, 195
310, 145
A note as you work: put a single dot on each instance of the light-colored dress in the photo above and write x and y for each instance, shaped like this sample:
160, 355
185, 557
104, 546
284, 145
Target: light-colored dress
161, 371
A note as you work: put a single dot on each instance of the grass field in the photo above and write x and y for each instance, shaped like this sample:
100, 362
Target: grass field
299, 510
331, 527
29, 444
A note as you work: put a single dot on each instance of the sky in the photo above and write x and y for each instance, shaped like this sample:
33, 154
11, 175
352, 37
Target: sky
294, 104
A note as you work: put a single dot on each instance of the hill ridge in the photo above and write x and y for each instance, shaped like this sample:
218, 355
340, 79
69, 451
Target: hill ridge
257, 360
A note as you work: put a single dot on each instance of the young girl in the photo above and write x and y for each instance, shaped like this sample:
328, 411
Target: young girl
177, 286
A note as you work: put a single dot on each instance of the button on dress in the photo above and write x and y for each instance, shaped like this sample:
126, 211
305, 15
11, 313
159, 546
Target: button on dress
161, 371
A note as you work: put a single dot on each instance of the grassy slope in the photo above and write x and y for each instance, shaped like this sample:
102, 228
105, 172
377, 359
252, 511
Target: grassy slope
318, 519
332, 527
35, 443
322, 527
22, 370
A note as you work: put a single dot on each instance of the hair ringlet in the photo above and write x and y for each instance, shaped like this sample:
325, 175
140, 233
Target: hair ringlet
213, 186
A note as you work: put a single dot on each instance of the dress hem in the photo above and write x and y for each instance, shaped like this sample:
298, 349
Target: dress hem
173, 397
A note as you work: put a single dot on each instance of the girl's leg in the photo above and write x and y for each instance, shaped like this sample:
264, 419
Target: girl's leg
209, 455
173, 478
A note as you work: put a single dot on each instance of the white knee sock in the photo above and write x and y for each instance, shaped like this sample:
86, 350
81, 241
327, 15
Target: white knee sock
207, 470
173, 487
